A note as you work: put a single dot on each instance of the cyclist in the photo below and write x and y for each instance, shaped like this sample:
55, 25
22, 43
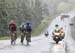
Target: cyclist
28, 31
12, 29
23, 31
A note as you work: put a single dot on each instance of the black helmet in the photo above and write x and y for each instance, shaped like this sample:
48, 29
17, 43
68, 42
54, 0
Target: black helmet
56, 25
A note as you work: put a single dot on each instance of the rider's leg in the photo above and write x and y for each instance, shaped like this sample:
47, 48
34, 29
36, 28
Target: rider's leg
14, 42
11, 38
11, 42
15, 38
14, 35
29, 37
22, 38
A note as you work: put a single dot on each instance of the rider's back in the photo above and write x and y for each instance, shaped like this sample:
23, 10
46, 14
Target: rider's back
23, 27
28, 27
57, 31
12, 26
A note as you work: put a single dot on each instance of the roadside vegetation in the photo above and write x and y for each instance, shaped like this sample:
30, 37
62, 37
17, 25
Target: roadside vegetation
40, 12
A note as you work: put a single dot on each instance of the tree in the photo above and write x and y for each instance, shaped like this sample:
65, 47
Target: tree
64, 7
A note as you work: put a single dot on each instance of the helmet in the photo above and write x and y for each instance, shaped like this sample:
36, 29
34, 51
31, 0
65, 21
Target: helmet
57, 28
56, 25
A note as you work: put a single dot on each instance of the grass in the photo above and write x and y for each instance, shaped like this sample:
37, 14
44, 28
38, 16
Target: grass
4, 37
